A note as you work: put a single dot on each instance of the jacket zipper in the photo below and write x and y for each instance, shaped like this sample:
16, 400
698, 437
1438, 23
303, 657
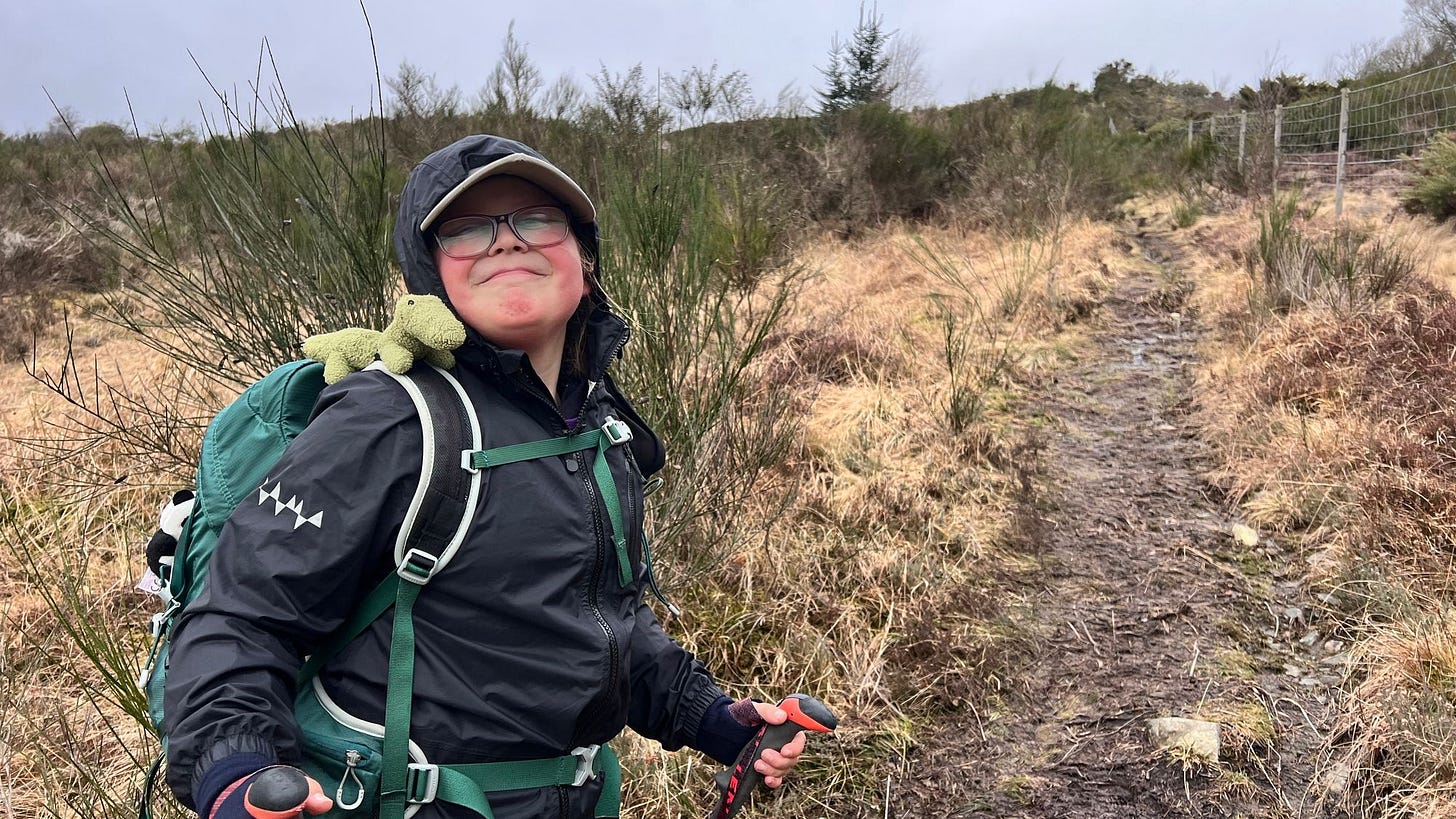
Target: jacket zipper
594, 601
599, 538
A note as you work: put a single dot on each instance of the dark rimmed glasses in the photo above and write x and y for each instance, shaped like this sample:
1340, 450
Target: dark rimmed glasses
467, 237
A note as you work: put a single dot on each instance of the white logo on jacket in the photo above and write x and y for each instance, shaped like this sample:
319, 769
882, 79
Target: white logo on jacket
293, 505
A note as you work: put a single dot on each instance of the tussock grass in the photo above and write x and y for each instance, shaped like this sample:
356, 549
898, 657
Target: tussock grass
68, 701
1343, 267
1332, 425
1398, 732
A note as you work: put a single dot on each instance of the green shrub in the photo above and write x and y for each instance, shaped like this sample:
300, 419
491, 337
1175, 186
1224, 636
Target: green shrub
698, 332
1434, 191
1347, 268
907, 164
748, 226
268, 232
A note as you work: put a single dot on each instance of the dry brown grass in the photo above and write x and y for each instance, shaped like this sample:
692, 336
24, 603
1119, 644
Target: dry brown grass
1334, 427
1398, 732
875, 589
66, 744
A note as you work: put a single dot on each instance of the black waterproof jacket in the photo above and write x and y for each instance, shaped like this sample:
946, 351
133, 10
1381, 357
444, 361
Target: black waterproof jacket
527, 644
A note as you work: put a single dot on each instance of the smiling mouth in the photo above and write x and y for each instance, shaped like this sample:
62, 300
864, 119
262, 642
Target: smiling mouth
515, 271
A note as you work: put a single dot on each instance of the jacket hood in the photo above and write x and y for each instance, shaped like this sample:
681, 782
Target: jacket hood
440, 174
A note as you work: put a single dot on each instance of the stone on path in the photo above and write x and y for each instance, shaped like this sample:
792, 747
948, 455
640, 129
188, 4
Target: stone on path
1247, 536
1193, 737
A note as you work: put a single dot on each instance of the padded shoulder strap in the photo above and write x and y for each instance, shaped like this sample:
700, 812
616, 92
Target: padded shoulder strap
444, 501
445, 498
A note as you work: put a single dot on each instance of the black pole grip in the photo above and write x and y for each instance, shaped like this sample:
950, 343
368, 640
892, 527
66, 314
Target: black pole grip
805, 714
276, 793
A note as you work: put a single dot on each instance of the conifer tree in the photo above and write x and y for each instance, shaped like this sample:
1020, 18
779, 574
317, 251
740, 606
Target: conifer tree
858, 71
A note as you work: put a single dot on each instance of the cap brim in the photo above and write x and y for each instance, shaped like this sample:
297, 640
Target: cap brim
538, 172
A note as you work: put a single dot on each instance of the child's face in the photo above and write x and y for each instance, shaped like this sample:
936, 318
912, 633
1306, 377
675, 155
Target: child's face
515, 295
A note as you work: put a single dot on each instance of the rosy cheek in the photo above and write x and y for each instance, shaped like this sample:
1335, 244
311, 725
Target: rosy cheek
453, 274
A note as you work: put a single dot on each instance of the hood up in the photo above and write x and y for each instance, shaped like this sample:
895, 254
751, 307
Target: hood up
439, 175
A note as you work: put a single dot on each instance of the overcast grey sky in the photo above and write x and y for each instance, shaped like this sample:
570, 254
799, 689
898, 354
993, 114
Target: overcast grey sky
89, 54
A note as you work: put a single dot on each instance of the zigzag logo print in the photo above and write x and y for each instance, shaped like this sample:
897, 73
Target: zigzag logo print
293, 504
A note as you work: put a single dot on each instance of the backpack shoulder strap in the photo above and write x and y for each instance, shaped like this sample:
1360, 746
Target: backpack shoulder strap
446, 495
443, 504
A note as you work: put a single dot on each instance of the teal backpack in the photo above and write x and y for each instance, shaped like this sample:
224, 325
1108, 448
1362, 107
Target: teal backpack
366, 768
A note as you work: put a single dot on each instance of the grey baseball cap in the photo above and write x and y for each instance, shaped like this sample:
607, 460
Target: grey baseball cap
532, 168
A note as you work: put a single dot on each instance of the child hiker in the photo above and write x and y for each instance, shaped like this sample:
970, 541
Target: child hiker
533, 647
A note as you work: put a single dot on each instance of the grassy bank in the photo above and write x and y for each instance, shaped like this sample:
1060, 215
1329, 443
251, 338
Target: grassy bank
1326, 391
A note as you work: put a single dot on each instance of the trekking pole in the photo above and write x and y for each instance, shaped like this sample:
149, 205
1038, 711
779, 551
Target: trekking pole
805, 714
281, 793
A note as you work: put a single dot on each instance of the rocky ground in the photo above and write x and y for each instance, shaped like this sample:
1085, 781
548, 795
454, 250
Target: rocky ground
1146, 601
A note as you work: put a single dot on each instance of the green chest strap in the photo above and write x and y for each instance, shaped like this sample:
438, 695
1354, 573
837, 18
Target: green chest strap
405, 783
612, 433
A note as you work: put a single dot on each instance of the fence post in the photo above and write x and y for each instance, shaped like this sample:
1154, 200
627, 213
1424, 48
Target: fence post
1278, 133
1190, 133
1243, 127
1340, 165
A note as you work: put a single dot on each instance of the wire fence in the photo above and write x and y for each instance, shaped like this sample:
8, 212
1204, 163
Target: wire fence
1362, 138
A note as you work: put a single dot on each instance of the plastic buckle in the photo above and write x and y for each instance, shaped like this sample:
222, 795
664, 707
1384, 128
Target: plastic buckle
417, 574
617, 432
467, 461
159, 622
586, 757
421, 783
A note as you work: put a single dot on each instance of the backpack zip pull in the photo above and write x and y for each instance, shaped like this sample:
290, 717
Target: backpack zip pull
351, 761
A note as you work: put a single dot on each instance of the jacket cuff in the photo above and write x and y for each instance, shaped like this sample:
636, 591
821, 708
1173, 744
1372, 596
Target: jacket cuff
691, 716
721, 735
227, 761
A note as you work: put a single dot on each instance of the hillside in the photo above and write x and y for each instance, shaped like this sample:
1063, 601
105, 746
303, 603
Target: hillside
1009, 430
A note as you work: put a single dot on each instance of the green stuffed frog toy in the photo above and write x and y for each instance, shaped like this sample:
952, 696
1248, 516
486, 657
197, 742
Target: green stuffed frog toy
423, 328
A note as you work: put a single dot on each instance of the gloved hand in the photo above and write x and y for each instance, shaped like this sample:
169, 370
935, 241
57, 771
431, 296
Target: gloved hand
728, 726
775, 765
277, 792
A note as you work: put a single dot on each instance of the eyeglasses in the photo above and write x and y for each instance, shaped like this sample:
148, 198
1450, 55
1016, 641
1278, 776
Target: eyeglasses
469, 237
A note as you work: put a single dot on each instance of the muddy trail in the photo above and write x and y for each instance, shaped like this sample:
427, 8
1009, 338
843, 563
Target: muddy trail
1142, 605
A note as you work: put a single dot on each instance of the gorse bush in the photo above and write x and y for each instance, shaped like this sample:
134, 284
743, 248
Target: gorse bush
1345, 268
879, 163
1434, 190
1026, 160
749, 228
698, 331
272, 233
